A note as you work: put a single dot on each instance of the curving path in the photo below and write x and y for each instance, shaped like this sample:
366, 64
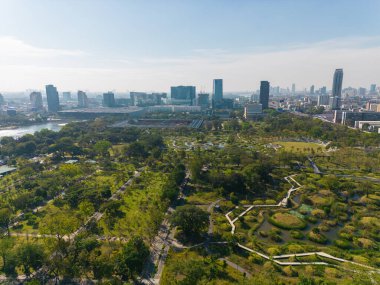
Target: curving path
294, 187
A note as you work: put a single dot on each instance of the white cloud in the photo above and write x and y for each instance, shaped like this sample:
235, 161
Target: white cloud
303, 64
15, 48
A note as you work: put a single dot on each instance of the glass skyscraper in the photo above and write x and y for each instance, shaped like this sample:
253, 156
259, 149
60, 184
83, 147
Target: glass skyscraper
264, 94
52, 98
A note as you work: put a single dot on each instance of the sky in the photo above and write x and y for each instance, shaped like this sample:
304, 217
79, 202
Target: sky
138, 45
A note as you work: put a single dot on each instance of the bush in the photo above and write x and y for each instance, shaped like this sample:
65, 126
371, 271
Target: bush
297, 234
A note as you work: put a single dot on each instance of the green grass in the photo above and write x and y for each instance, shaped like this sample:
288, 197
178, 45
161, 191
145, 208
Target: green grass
303, 147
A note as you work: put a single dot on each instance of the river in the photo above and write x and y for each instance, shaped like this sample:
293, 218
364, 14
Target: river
20, 131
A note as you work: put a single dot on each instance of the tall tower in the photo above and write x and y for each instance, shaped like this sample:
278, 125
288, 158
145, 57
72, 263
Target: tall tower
52, 98
264, 94
337, 83
217, 93
293, 89
337, 89
82, 99
36, 100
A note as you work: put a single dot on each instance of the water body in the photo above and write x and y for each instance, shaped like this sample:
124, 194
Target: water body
20, 131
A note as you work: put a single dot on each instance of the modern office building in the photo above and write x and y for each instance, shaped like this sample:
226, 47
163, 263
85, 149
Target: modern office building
323, 100
335, 100
82, 99
337, 83
36, 101
264, 94
253, 110
372, 90
143, 99
312, 90
362, 91
217, 91
109, 99
52, 98
293, 89
203, 100
323, 90
183, 95
66, 96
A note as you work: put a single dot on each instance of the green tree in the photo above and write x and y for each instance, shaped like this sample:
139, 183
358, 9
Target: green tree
30, 256
102, 147
190, 219
5, 219
130, 261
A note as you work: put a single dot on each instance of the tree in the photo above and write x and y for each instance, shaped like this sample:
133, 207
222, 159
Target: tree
5, 218
58, 224
7, 255
190, 219
102, 147
130, 261
30, 256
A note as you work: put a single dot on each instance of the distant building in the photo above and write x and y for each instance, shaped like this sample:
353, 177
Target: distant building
217, 92
362, 91
334, 102
52, 98
2, 101
323, 100
143, 99
109, 99
293, 88
36, 101
337, 83
82, 99
372, 90
349, 118
174, 109
323, 90
66, 96
264, 94
183, 95
203, 100
312, 90
253, 110
11, 112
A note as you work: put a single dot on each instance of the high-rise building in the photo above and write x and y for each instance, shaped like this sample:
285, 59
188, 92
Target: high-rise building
203, 100
52, 98
323, 100
217, 91
323, 90
109, 99
337, 83
36, 101
264, 94
312, 90
66, 96
82, 99
293, 88
372, 90
183, 95
362, 91
2, 101
252, 110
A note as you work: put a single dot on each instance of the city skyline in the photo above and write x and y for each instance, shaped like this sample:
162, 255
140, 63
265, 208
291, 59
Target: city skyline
148, 46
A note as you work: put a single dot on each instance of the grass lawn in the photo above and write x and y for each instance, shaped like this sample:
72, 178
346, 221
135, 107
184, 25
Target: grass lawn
304, 147
287, 221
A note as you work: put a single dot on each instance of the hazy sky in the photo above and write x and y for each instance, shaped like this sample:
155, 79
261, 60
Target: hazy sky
150, 45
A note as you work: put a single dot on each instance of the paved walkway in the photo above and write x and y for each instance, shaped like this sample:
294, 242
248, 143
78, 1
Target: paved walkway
283, 203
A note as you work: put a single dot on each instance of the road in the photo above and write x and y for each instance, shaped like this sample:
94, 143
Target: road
160, 245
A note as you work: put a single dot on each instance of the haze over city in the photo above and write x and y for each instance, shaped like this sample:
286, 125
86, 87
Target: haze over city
151, 45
